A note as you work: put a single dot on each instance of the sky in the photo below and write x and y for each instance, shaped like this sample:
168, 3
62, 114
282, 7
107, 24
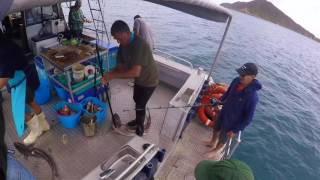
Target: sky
304, 12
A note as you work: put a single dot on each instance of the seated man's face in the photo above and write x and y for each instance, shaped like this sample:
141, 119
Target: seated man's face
123, 38
246, 79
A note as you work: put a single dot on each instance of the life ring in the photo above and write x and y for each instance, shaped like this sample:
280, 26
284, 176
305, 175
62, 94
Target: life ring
206, 113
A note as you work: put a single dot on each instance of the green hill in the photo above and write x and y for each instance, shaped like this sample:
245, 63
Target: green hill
267, 11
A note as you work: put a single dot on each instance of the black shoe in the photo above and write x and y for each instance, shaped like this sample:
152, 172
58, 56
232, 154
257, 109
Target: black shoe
140, 130
132, 124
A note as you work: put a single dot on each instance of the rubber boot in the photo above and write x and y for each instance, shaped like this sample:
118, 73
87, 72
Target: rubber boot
140, 126
139, 130
43, 122
131, 125
35, 132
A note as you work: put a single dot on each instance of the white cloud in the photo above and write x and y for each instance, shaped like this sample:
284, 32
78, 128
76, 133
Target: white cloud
306, 12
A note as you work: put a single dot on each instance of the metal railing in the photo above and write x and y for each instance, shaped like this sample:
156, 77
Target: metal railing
121, 176
172, 57
231, 146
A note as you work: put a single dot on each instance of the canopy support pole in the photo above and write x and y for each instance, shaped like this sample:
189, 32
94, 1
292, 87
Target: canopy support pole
219, 49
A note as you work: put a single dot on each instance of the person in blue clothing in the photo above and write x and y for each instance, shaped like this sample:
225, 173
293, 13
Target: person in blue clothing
12, 61
239, 104
10, 167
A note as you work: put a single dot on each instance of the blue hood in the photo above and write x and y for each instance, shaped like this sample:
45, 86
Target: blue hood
239, 107
254, 86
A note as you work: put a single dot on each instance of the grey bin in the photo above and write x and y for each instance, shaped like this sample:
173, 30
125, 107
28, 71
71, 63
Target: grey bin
88, 124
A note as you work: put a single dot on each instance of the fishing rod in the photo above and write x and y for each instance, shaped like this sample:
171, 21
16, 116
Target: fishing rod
216, 103
114, 116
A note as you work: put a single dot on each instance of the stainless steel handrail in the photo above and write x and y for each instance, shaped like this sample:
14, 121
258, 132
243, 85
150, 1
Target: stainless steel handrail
231, 147
235, 146
135, 162
175, 57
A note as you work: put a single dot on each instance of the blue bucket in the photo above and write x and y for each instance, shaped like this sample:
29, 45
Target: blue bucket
102, 114
43, 94
71, 121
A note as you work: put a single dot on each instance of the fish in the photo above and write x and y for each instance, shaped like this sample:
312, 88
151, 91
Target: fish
29, 150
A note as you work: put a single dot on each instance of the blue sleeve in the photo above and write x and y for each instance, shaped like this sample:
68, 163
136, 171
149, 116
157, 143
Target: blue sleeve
226, 94
248, 113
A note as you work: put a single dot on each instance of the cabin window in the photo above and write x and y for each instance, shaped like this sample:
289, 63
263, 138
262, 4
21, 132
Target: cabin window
40, 14
50, 13
33, 16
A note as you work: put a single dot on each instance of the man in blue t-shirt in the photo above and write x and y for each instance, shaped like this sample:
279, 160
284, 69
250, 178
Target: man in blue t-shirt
239, 104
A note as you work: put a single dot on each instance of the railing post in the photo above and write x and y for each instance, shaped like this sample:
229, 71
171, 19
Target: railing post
220, 47
135, 162
173, 57
231, 147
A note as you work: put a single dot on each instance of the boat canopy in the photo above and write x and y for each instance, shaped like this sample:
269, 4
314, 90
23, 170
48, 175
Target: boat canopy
205, 9
10, 6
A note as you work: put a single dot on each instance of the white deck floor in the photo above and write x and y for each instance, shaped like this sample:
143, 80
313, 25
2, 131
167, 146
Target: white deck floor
76, 155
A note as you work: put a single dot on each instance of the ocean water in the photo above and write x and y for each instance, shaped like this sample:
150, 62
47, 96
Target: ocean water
283, 141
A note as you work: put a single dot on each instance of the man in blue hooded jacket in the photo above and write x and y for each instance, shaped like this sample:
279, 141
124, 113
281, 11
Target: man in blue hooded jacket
239, 104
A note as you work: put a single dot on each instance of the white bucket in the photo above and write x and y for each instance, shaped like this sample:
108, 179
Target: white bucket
78, 72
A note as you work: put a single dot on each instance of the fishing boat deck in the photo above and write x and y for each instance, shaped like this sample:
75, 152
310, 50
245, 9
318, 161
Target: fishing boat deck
187, 153
75, 154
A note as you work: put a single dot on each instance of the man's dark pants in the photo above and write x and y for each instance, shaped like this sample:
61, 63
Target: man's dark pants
3, 148
141, 96
76, 34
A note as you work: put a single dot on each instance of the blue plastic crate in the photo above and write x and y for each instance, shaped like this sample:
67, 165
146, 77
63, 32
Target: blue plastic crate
108, 62
43, 93
62, 94
40, 68
112, 58
89, 93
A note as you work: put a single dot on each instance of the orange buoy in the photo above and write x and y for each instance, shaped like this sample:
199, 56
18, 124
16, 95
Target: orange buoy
206, 113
